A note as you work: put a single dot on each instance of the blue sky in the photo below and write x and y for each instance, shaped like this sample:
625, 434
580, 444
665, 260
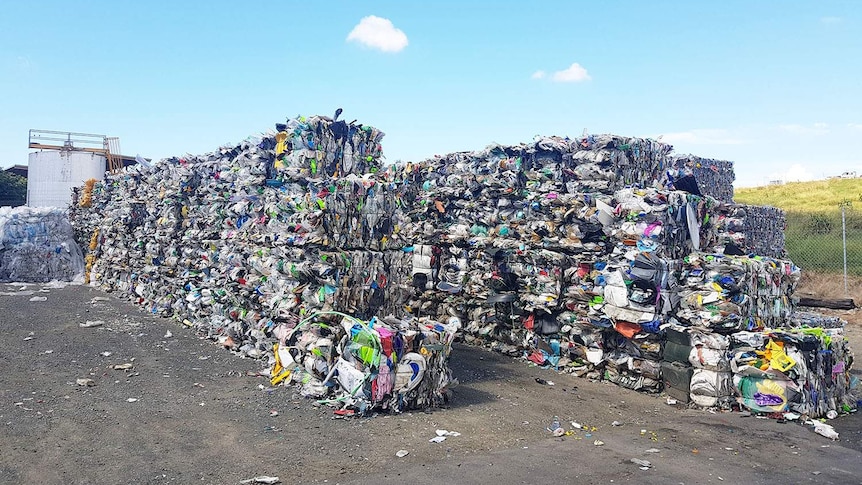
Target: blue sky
772, 85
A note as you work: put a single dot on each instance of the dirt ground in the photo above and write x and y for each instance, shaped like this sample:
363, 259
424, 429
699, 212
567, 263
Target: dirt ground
188, 411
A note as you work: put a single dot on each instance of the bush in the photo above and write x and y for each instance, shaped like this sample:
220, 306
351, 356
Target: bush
821, 224
13, 189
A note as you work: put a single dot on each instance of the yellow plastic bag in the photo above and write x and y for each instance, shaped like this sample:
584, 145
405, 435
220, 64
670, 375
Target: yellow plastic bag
279, 372
281, 143
778, 358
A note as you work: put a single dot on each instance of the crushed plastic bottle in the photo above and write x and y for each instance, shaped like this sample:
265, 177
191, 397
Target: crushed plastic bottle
825, 430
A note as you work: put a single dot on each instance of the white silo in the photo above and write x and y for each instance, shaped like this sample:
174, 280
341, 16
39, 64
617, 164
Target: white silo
52, 174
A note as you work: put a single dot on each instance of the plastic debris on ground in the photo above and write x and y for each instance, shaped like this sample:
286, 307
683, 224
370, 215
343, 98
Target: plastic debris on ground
604, 256
261, 479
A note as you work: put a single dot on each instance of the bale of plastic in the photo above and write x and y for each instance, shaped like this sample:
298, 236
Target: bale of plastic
577, 254
38, 245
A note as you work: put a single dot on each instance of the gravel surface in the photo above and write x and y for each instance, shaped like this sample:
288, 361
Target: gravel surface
134, 398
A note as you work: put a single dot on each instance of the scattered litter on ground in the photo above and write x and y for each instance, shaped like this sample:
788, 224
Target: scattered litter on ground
825, 430
261, 479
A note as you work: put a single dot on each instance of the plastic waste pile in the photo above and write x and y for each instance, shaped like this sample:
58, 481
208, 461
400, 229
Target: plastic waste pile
38, 245
714, 177
804, 370
585, 276
390, 364
764, 227
260, 246
578, 254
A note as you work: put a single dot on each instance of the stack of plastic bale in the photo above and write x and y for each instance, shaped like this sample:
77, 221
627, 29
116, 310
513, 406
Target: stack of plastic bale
730, 293
617, 260
322, 147
38, 245
634, 289
676, 369
764, 226
549, 195
711, 380
713, 178
389, 364
631, 311
248, 240
610, 162
805, 370
695, 366
217, 202
574, 253
831, 386
525, 288
634, 293
648, 286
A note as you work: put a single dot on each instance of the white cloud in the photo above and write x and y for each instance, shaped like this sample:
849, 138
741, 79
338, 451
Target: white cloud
19, 66
830, 20
575, 73
805, 130
765, 152
378, 33
702, 137
538, 75
794, 173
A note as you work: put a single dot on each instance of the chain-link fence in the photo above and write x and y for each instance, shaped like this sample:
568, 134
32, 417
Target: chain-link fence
826, 242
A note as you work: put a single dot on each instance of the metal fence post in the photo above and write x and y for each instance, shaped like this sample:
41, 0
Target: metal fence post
844, 244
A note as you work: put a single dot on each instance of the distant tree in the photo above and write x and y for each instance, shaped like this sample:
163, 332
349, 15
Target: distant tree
13, 188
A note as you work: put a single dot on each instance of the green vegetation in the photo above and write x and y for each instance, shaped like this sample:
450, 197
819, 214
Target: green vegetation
13, 189
806, 197
814, 231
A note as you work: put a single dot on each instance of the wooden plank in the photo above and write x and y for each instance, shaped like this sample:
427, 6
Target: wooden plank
839, 304
40, 146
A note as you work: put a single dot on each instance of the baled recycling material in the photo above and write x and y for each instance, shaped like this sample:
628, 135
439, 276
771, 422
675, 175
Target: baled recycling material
390, 364
38, 245
580, 254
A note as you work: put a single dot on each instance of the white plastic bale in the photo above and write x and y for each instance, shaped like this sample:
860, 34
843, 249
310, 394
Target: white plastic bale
705, 382
37, 245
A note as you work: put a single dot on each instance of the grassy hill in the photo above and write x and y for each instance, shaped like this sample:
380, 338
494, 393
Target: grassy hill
820, 196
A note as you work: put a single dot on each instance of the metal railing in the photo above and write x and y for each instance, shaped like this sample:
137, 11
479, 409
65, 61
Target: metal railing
66, 139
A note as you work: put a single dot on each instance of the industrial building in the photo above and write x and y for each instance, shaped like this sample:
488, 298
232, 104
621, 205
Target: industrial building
65, 160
